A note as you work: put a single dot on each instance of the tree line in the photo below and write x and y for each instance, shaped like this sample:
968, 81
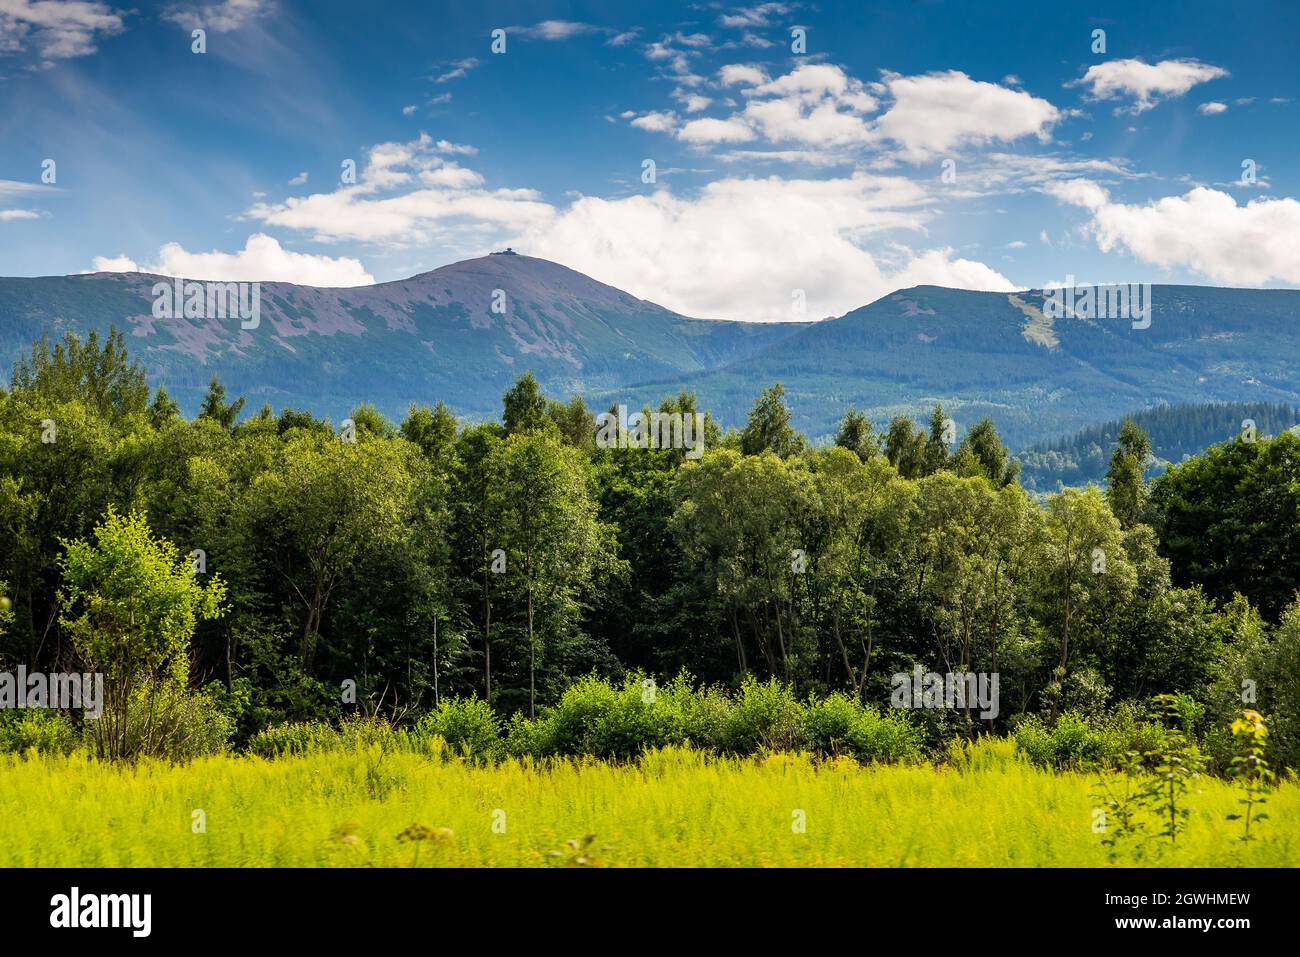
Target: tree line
387, 567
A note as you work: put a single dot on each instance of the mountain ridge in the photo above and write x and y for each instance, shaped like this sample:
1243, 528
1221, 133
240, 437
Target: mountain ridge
435, 335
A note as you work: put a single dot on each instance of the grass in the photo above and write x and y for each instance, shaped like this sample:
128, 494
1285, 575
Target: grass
669, 808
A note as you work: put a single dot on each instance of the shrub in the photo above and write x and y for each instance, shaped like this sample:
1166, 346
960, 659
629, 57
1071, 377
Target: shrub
765, 716
1074, 742
468, 726
49, 732
528, 739
293, 738
839, 724
165, 720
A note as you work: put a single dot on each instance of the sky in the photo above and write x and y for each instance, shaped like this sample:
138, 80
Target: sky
763, 162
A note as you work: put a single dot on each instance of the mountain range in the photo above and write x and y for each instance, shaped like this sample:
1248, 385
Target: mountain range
464, 332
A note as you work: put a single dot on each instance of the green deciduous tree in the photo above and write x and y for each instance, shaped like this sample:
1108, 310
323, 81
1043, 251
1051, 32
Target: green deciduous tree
130, 604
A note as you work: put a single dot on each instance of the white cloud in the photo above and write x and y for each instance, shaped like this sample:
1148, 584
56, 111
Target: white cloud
737, 248
1147, 84
709, 130
1078, 192
408, 110
9, 215
299, 180
759, 15
818, 105
553, 30
114, 264
446, 146
458, 69
656, 122
261, 260
225, 16
1204, 230
57, 31
1016, 244
693, 102
937, 112
442, 201
1212, 108
740, 247
736, 73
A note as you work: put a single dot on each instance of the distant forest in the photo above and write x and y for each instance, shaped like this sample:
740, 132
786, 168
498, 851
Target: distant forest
1176, 432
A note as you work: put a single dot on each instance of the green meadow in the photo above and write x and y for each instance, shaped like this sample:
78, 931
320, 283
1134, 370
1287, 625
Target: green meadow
367, 807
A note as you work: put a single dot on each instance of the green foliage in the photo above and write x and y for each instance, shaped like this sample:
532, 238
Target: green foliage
467, 725
130, 604
839, 724
493, 568
1251, 768
856, 434
1126, 490
1174, 765
169, 721
768, 427
1228, 520
1073, 742
1176, 432
39, 729
216, 408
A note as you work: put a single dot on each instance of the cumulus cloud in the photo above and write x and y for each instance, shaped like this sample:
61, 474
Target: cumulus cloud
1146, 84
739, 248
938, 112
1212, 108
692, 102
734, 74
709, 130
56, 31
262, 259
659, 121
8, 215
819, 105
1205, 230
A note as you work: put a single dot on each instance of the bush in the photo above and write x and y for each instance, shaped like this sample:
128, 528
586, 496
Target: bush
355, 733
528, 739
839, 724
293, 738
468, 726
49, 732
169, 721
1076, 743
765, 716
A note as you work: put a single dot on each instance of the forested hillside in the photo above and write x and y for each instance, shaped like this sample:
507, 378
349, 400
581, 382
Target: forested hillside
1176, 431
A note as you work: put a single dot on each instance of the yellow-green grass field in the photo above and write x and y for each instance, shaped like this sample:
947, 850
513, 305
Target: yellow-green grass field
672, 808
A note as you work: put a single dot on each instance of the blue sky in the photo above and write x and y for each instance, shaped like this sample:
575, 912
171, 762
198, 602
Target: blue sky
966, 144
